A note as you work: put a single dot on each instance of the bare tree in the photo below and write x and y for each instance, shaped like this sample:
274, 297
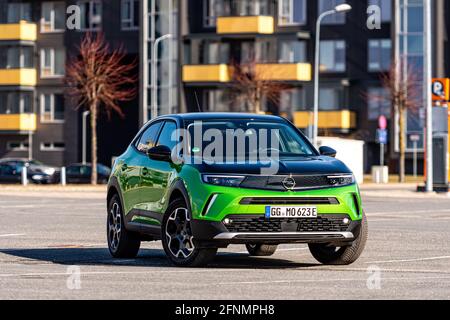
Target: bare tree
404, 95
99, 79
250, 84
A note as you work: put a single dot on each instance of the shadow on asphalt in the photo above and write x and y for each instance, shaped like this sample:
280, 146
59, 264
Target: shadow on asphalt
146, 257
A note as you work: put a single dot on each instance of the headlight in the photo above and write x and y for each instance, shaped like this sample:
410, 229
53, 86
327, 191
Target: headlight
49, 171
227, 181
341, 180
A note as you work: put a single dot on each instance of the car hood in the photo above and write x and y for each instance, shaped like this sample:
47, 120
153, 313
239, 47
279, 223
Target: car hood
303, 166
39, 168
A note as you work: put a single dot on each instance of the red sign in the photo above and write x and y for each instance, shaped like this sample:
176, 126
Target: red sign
382, 122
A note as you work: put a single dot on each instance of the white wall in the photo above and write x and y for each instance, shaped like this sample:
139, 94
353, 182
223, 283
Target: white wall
351, 152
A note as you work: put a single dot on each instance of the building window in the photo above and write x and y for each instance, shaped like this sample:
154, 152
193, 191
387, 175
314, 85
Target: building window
332, 56
91, 14
331, 98
378, 103
386, 9
52, 108
291, 51
17, 146
379, 55
130, 14
16, 102
211, 10
291, 12
326, 5
52, 146
53, 17
16, 57
18, 11
213, 52
216, 100
292, 100
53, 62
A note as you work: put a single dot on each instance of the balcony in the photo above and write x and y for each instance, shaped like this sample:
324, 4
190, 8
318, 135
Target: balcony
18, 77
23, 122
206, 73
342, 119
18, 31
245, 24
284, 71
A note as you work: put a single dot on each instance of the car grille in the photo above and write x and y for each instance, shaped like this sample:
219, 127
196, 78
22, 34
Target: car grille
289, 200
276, 182
327, 223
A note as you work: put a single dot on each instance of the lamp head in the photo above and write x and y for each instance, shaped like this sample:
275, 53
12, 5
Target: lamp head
345, 7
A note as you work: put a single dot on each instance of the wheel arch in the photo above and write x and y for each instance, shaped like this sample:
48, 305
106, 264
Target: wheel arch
178, 190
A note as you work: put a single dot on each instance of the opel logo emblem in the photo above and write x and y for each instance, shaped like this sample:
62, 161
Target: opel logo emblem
289, 183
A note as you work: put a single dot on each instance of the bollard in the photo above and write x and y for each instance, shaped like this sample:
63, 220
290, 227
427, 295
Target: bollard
24, 176
63, 176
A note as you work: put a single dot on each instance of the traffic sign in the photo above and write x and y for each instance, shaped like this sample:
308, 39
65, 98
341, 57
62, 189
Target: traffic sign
441, 89
382, 136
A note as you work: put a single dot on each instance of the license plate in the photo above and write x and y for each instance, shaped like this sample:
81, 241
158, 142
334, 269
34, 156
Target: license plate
291, 212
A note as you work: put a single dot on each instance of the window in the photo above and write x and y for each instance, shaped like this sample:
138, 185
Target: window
91, 14
211, 10
130, 14
53, 62
12, 57
165, 138
18, 11
378, 103
16, 102
291, 12
291, 100
332, 56
148, 138
213, 52
52, 146
17, 146
52, 107
337, 18
379, 55
386, 9
215, 100
291, 51
331, 98
53, 17
249, 7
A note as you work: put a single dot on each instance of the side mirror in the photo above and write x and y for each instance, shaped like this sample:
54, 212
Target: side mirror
327, 151
160, 153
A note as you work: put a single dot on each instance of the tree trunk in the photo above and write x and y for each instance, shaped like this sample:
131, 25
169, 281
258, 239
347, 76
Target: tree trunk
94, 143
402, 145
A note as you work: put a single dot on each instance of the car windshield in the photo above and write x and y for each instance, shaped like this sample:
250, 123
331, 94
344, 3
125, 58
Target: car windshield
248, 138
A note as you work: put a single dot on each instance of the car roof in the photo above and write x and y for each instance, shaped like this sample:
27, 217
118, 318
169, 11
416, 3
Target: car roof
221, 116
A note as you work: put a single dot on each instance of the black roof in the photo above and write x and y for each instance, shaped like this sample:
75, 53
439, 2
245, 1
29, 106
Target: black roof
222, 116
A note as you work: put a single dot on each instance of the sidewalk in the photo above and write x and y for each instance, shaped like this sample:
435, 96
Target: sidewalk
398, 190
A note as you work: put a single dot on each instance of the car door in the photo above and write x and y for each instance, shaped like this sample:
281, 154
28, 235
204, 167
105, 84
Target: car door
7, 174
131, 166
72, 174
156, 174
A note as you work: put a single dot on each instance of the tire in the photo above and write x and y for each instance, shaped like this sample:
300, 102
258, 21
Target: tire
121, 242
178, 241
331, 255
261, 250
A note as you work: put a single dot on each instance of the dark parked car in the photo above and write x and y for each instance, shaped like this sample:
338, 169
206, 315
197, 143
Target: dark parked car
37, 172
81, 173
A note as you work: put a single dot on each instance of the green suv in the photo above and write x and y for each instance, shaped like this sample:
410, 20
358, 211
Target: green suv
203, 181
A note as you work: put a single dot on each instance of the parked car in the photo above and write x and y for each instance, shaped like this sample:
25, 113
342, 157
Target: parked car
196, 205
37, 172
81, 173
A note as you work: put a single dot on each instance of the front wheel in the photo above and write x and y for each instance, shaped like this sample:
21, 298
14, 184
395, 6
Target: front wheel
332, 255
178, 241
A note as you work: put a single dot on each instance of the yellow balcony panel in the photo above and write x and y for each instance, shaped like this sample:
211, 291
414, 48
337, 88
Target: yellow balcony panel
250, 24
18, 122
18, 77
284, 71
18, 31
342, 119
206, 73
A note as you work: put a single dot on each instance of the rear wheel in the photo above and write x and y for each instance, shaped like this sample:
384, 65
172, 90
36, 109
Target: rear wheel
329, 254
261, 250
121, 242
178, 241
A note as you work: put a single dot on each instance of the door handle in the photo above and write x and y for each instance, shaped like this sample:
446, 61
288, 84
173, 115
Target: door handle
144, 171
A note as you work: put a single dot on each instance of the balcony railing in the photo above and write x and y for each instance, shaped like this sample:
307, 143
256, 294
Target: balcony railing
206, 73
18, 31
338, 119
245, 24
18, 77
23, 122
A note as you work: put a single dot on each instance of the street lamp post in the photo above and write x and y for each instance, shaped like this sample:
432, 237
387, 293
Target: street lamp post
155, 73
85, 114
342, 8
428, 94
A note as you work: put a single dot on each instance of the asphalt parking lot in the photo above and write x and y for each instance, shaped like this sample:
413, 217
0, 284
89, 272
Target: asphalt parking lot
47, 236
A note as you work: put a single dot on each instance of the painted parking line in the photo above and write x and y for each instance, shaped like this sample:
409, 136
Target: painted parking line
410, 260
11, 235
